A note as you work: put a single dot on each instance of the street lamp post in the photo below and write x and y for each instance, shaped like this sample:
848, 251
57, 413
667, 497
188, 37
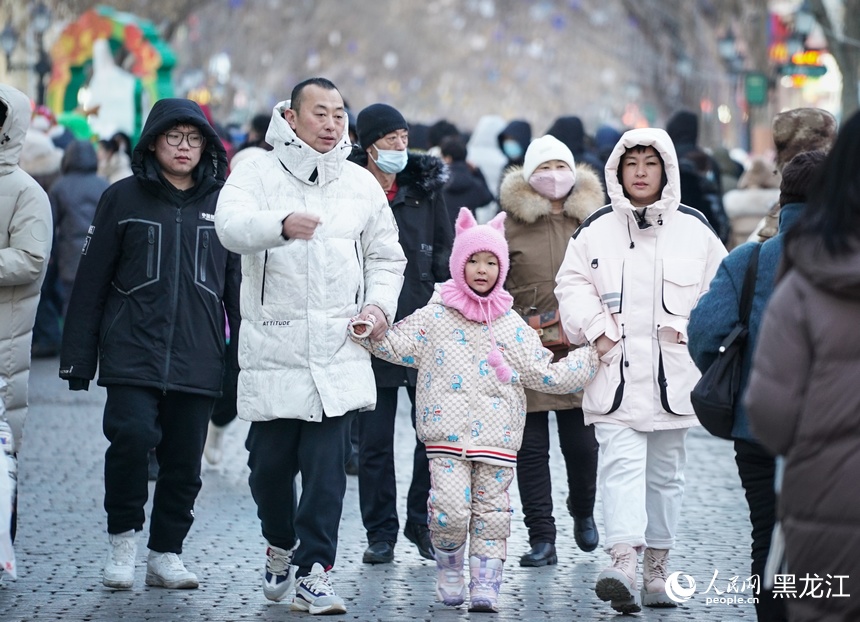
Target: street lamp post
734, 62
40, 21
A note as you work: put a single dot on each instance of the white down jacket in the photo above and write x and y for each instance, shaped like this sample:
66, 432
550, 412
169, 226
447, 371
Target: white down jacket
25, 245
637, 283
297, 296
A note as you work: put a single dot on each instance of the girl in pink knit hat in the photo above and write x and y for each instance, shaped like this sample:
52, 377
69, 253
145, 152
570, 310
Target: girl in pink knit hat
474, 356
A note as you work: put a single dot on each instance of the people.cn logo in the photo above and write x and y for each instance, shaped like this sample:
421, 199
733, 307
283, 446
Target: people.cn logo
676, 591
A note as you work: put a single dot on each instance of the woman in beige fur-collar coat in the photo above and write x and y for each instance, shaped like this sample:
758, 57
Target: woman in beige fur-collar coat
546, 199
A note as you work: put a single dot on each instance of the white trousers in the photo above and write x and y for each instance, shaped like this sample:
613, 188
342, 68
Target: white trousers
641, 481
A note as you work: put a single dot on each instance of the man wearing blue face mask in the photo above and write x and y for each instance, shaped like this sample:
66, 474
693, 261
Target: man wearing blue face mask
413, 184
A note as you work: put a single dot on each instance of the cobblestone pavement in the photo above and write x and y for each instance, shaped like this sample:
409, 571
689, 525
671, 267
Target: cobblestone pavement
62, 540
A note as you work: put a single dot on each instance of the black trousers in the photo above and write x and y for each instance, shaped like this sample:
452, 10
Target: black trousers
377, 490
756, 468
47, 335
579, 448
278, 451
135, 420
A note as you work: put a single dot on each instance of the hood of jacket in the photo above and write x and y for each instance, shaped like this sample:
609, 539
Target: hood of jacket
165, 114
80, 157
40, 157
605, 138
671, 196
486, 133
520, 200
423, 170
14, 127
298, 157
571, 132
519, 130
683, 128
838, 275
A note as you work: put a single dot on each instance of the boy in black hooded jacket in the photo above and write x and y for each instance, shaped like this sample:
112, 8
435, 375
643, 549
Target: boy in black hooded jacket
148, 306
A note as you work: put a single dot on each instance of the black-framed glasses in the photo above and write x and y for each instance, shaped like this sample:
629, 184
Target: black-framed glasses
174, 138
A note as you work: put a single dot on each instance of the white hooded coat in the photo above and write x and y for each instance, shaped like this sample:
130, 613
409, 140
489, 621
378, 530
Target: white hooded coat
25, 245
297, 295
637, 284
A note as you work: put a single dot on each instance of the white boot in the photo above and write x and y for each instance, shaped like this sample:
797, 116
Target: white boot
119, 566
450, 586
486, 575
654, 576
617, 583
214, 447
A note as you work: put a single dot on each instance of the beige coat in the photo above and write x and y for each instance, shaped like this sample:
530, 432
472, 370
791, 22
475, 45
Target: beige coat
537, 240
25, 245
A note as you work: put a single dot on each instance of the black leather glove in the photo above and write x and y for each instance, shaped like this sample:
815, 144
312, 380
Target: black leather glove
79, 384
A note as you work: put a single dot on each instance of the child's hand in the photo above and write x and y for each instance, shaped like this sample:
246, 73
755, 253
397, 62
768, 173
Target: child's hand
360, 328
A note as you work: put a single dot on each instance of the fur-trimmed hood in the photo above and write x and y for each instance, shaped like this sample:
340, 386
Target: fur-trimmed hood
423, 170
520, 200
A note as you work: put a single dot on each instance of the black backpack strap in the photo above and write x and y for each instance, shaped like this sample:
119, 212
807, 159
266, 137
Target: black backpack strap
748, 291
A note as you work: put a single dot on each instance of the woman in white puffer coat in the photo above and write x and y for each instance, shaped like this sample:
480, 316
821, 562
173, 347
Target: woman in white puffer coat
631, 276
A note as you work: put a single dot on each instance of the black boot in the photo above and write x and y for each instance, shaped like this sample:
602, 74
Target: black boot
419, 535
541, 554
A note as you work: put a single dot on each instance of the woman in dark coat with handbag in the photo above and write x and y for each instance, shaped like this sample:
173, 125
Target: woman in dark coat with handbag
546, 200
712, 320
802, 398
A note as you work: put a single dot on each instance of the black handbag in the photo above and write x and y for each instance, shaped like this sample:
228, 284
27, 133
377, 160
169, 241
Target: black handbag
716, 392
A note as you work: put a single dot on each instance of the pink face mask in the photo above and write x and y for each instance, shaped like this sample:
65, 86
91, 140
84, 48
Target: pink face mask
552, 185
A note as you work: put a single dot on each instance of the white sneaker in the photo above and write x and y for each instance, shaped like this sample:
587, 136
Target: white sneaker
315, 594
279, 576
167, 570
213, 450
119, 566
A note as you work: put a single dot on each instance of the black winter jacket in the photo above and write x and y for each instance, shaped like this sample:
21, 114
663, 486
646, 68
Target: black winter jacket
465, 188
426, 235
154, 281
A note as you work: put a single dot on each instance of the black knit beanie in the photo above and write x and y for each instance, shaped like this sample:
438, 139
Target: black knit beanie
797, 176
376, 121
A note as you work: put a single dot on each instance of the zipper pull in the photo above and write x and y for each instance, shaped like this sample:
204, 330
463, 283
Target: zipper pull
594, 263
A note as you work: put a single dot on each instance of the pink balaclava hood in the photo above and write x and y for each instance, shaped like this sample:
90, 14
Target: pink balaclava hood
473, 238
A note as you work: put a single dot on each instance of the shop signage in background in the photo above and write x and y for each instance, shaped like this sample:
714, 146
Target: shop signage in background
755, 88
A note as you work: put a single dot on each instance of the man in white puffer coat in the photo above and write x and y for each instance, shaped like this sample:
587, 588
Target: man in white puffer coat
631, 275
319, 245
